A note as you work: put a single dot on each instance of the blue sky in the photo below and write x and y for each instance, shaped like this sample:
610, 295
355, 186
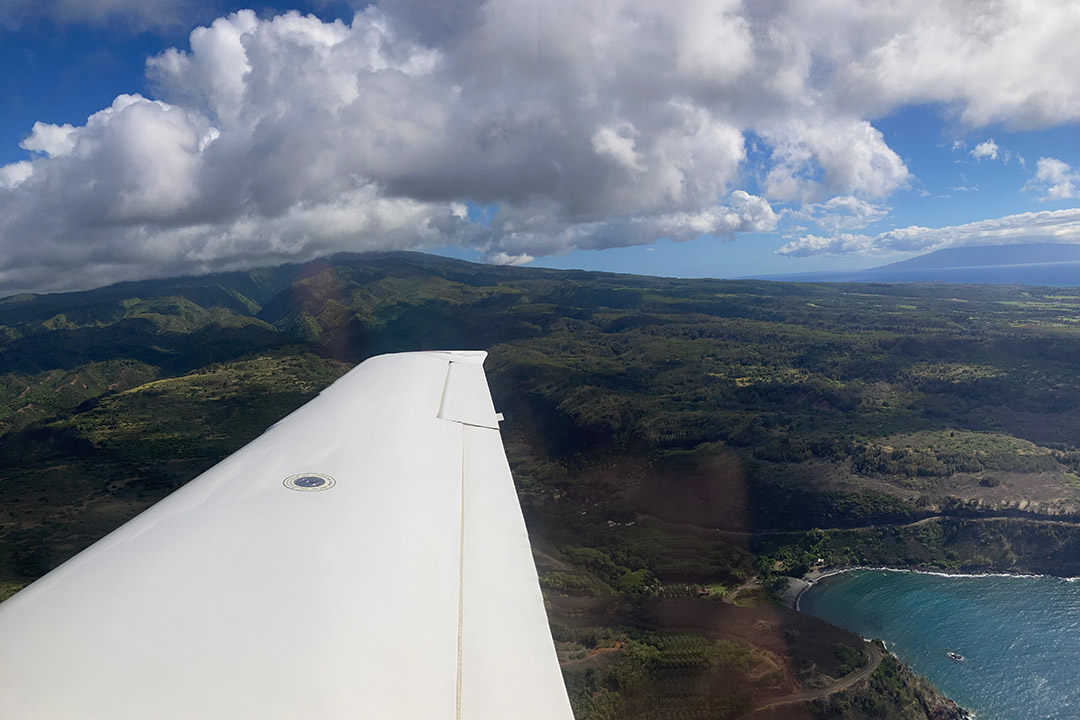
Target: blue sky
710, 138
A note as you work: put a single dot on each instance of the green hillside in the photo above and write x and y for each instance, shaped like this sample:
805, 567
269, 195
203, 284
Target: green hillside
671, 439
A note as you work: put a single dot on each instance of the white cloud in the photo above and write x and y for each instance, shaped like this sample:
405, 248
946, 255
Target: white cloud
986, 149
502, 258
1055, 179
1049, 226
15, 174
618, 144
990, 150
839, 244
289, 137
813, 160
589, 125
51, 140
537, 231
843, 213
1010, 61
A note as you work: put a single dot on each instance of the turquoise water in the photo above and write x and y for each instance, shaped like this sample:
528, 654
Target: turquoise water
1020, 635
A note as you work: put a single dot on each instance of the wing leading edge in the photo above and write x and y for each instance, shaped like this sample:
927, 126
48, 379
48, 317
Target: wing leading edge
365, 557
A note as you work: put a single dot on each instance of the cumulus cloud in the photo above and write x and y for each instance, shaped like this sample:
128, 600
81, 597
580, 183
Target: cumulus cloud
619, 145
51, 140
15, 174
985, 149
1055, 179
539, 231
588, 125
990, 150
1006, 61
813, 160
289, 137
845, 212
1061, 226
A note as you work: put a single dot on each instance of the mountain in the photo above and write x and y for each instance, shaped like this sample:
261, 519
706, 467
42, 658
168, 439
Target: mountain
989, 256
1046, 264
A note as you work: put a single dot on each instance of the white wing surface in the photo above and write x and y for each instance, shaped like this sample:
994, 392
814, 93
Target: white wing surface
366, 557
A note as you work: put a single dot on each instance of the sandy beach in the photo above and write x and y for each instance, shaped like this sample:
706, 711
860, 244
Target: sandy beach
797, 586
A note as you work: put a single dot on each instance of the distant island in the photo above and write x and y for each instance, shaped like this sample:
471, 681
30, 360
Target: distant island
1047, 264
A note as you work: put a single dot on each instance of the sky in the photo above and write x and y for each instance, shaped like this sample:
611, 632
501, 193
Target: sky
715, 138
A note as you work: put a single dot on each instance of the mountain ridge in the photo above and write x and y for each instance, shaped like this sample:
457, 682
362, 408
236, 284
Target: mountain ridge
990, 256
1040, 264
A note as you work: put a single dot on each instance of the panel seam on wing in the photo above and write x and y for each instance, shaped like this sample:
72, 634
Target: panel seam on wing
461, 578
474, 425
442, 395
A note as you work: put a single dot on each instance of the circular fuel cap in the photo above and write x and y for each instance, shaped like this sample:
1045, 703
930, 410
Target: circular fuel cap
309, 482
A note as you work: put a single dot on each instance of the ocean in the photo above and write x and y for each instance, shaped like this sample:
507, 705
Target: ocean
1020, 636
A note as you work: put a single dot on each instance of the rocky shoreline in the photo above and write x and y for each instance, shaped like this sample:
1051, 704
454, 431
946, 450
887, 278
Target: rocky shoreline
936, 706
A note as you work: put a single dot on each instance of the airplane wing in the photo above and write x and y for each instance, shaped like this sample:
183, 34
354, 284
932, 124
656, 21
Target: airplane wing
365, 557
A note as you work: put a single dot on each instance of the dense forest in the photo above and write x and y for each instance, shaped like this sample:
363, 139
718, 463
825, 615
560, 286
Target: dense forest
671, 441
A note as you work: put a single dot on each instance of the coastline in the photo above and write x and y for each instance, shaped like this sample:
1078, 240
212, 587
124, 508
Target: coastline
943, 707
797, 586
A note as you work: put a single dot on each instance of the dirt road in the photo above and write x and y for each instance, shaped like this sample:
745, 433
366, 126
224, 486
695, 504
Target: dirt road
842, 684
734, 534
